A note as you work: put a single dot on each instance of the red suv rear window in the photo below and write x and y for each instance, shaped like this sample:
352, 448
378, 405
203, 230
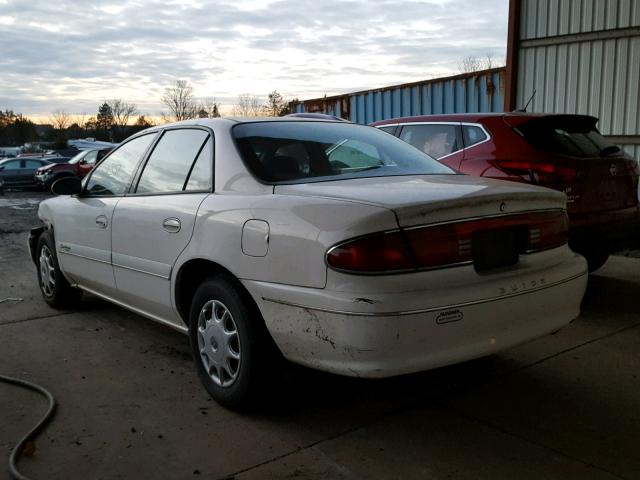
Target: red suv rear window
577, 137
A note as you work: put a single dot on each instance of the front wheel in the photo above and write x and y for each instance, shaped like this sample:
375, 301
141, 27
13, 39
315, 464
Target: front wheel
54, 287
229, 342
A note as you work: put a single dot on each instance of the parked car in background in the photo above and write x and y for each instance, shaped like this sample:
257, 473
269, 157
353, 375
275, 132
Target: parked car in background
563, 152
19, 172
78, 166
333, 244
50, 157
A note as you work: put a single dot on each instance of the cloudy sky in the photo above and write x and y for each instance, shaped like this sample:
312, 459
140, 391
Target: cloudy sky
71, 55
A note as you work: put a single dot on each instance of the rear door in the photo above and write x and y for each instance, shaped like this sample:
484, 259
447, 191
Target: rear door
83, 223
154, 223
441, 140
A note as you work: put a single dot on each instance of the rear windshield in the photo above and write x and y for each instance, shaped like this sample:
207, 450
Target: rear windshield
575, 137
299, 152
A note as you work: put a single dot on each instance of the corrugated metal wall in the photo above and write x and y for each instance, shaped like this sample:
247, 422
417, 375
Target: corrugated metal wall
474, 92
583, 56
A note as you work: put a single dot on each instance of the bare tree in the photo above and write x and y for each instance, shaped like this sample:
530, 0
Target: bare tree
208, 108
248, 106
470, 64
180, 101
122, 112
80, 120
60, 119
475, 64
276, 105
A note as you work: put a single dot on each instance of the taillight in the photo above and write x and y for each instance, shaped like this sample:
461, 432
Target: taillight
449, 244
538, 172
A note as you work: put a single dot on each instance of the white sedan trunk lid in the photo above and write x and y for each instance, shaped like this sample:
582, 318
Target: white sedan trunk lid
423, 199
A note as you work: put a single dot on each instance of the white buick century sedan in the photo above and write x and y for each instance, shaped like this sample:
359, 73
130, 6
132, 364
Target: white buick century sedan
332, 244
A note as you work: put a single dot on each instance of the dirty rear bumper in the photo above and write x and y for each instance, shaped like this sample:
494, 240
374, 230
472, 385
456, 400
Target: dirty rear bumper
367, 343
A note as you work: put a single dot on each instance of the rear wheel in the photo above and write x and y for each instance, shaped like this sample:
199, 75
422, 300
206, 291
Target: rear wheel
55, 289
229, 342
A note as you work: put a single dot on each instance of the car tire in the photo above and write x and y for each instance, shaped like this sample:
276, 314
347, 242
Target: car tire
595, 258
55, 288
230, 343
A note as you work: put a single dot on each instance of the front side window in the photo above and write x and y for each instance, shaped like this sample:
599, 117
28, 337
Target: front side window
12, 165
91, 157
113, 176
299, 152
168, 167
435, 140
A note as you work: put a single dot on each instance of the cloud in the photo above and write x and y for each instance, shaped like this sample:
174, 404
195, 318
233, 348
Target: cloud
61, 55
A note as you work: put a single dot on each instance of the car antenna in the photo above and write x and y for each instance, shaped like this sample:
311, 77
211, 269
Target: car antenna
530, 100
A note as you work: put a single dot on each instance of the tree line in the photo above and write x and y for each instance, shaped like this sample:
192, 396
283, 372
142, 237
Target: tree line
113, 121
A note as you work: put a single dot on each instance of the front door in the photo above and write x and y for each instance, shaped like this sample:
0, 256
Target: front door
154, 224
83, 224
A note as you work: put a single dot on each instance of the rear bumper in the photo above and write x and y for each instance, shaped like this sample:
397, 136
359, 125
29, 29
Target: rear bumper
391, 340
611, 230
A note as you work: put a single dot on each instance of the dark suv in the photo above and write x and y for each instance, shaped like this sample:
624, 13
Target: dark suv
563, 152
78, 166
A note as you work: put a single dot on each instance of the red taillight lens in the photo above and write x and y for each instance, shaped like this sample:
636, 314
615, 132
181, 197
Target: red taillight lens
538, 172
445, 245
384, 252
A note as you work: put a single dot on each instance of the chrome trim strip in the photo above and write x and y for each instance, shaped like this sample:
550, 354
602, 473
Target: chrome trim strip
82, 256
424, 310
482, 217
180, 328
165, 277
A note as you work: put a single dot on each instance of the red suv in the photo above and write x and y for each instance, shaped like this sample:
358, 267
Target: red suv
563, 152
78, 166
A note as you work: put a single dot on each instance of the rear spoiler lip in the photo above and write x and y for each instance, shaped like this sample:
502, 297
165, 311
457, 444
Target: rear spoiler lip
515, 121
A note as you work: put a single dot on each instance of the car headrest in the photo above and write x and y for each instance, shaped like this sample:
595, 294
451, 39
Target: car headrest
282, 167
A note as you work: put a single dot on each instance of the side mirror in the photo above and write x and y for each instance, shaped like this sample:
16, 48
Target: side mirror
67, 186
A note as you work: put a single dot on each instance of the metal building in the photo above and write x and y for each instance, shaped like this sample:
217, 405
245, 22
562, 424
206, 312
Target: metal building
579, 56
470, 92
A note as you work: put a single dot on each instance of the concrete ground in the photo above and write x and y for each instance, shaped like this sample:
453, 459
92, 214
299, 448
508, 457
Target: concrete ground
130, 405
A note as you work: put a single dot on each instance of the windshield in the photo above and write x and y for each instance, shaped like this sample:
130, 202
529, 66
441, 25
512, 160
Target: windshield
79, 156
298, 152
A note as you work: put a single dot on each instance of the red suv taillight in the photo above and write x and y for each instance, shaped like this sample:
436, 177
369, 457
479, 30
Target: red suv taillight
434, 246
538, 172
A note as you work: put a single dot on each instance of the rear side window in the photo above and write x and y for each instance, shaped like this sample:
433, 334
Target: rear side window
114, 174
472, 135
577, 137
169, 165
436, 140
200, 176
33, 164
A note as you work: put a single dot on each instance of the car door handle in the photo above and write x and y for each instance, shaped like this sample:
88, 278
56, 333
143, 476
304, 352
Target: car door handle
171, 225
101, 221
